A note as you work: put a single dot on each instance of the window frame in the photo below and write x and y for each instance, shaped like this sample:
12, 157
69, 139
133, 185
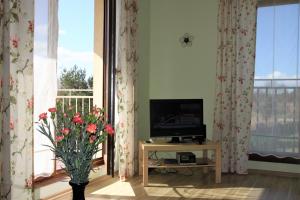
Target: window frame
109, 61
265, 3
272, 158
60, 174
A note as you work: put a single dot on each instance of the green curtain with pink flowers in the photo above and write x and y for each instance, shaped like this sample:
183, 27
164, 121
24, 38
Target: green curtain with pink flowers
16, 98
126, 135
234, 81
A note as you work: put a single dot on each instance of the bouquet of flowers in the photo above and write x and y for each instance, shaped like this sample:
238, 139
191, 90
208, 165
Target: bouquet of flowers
76, 138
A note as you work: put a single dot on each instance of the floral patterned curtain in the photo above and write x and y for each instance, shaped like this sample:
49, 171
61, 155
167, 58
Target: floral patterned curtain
126, 141
234, 81
16, 98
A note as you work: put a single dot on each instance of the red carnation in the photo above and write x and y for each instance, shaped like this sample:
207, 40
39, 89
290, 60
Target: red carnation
52, 110
65, 131
59, 138
109, 129
91, 128
43, 116
77, 119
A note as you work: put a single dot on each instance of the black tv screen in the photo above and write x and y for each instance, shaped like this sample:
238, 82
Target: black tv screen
176, 118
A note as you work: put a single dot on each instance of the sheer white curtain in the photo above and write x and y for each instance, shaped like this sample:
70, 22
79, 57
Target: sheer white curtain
276, 112
45, 77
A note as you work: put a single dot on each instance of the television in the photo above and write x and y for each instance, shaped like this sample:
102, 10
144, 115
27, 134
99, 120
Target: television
178, 119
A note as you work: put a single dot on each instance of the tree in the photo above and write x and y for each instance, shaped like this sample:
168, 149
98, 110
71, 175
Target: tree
90, 82
75, 78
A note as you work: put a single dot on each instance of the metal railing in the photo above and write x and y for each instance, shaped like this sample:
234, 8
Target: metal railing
79, 99
275, 116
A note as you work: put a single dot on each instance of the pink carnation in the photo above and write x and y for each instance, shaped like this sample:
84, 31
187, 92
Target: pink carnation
77, 119
91, 128
59, 138
109, 129
52, 110
43, 116
65, 131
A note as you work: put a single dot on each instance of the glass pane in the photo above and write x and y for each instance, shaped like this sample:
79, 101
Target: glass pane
286, 32
76, 35
264, 42
275, 114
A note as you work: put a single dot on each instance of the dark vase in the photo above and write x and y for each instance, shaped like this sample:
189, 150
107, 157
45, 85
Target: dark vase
78, 190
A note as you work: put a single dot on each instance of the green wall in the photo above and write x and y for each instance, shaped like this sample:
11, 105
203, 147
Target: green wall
143, 68
167, 70
175, 71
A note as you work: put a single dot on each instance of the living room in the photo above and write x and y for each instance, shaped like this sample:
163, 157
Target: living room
170, 71
175, 50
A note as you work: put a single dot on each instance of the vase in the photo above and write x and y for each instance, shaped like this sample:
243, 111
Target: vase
78, 190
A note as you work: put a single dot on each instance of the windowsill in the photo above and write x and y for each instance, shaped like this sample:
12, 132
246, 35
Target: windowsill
60, 176
271, 166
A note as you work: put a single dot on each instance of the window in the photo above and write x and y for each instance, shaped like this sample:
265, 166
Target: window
276, 111
68, 64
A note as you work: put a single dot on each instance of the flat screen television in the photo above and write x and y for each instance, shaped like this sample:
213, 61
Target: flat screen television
177, 118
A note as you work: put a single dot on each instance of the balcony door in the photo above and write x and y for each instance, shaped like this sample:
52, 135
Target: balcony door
68, 66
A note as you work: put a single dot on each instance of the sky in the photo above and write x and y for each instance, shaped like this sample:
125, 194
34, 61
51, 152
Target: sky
277, 42
76, 33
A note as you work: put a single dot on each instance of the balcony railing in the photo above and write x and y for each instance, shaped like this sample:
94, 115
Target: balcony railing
79, 99
275, 117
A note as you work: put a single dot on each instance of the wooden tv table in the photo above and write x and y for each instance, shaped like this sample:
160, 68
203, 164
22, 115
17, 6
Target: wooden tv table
145, 148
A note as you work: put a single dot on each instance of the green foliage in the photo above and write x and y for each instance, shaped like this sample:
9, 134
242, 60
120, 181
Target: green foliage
76, 147
75, 78
90, 82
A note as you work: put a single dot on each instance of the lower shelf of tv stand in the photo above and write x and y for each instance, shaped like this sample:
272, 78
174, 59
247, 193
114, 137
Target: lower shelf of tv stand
161, 164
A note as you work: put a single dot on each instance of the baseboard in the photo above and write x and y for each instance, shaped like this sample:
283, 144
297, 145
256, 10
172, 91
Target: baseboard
274, 173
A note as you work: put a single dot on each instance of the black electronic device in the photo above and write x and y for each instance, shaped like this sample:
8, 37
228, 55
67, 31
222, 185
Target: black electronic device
186, 158
170, 161
177, 118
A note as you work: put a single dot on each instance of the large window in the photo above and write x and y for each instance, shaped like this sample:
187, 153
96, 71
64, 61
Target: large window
276, 112
68, 63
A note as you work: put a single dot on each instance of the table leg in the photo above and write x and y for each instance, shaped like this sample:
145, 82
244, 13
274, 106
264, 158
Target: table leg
205, 169
218, 164
145, 167
140, 159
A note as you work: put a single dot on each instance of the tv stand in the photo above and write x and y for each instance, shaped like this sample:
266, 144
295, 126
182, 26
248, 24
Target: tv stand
178, 140
160, 146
